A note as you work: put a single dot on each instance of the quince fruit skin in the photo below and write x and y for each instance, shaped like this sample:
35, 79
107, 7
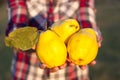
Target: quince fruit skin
50, 49
65, 28
82, 46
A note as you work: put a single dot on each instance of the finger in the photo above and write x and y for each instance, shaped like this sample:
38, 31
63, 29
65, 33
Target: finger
42, 66
93, 62
99, 44
63, 66
71, 64
54, 69
83, 67
69, 60
34, 47
99, 41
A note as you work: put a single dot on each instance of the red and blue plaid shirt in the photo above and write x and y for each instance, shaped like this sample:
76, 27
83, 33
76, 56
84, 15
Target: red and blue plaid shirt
42, 14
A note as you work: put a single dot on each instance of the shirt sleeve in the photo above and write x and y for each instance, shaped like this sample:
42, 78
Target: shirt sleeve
87, 18
87, 13
17, 15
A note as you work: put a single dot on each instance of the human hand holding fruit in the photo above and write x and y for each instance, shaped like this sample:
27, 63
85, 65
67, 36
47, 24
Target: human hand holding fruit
59, 27
83, 47
53, 43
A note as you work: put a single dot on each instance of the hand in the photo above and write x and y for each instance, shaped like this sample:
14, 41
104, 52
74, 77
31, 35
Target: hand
54, 69
83, 67
34, 47
99, 36
99, 40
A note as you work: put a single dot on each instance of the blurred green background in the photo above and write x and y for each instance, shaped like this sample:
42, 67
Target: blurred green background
108, 65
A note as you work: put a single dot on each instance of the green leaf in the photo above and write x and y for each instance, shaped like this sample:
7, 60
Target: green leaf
22, 38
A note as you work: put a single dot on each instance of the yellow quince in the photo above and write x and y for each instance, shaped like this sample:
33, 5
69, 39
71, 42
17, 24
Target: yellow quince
50, 49
82, 46
65, 28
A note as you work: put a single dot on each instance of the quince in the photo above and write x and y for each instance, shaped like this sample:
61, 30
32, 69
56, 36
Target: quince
50, 49
82, 46
65, 28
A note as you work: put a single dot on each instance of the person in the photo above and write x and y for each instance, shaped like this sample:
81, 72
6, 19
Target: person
42, 13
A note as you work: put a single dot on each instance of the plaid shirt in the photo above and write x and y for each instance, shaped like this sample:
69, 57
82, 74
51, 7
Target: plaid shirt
41, 14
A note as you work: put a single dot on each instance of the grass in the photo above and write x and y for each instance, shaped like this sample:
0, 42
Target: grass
108, 65
5, 52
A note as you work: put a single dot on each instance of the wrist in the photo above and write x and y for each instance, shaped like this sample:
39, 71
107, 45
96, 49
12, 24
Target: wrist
99, 35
